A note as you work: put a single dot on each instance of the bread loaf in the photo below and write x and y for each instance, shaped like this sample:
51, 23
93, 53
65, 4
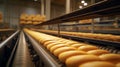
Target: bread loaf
75, 61
87, 48
97, 64
56, 47
52, 44
77, 45
62, 49
48, 42
63, 56
118, 65
98, 52
113, 58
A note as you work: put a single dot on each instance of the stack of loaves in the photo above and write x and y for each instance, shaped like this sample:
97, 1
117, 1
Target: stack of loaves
31, 19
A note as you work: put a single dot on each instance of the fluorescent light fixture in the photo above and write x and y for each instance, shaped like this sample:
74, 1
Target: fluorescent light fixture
82, 1
80, 7
85, 4
35, 0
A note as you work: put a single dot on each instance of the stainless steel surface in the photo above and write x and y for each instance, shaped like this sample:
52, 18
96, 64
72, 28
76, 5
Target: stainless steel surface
5, 48
9, 63
22, 56
8, 39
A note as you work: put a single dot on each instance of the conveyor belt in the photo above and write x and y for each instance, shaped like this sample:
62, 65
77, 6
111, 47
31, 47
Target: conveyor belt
105, 37
100, 42
78, 38
43, 54
115, 32
22, 56
115, 45
62, 48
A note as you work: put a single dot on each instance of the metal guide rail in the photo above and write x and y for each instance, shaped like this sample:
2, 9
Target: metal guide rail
5, 33
4, 30
100, 9
47, 59
6, 48
114, 45
99, 42
9, 62
99, 27
22, 56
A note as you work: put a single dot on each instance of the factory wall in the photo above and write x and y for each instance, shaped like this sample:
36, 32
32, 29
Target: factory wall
12, 10
57, 10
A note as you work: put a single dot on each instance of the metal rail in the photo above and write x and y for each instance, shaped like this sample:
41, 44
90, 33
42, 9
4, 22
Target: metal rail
8, 39
100, 9
4, 30
9, 63
44, 56
6, 48
5, 33
22, 57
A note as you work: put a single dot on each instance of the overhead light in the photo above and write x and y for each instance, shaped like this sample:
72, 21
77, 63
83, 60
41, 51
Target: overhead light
85, 4
82, 1
35, 0
80, 7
